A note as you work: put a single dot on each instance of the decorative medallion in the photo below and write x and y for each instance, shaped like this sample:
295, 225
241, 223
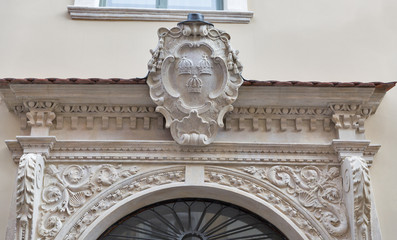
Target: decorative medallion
194, 76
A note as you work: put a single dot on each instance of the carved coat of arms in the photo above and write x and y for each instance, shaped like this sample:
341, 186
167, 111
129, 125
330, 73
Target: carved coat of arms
194, 76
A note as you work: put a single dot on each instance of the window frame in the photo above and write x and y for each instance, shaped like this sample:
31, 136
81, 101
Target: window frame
163, 4
235, 11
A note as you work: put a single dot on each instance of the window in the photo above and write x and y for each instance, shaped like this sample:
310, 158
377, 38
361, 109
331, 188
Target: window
166, 4
216, 11
192, 219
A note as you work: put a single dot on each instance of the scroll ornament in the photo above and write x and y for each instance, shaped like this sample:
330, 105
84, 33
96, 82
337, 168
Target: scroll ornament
69, 188
317, 189
194, 76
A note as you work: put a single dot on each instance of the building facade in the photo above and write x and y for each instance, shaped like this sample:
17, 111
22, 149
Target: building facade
286, 150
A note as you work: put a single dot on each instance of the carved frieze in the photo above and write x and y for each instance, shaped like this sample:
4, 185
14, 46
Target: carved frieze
261, 118
194, 76
251, 118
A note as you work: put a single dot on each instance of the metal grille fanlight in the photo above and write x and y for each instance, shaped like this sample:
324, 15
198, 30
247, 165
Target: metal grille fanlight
192, 219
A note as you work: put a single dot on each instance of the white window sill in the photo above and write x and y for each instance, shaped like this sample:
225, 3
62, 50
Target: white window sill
141, 14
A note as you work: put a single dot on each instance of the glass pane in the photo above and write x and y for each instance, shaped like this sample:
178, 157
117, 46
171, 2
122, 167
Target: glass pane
192, 219
131, 3
193, 4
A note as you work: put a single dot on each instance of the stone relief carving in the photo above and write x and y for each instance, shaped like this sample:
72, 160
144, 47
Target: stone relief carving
357, 179
255, 118
227, 177
316, 188
128, 187
67, 188
350, 116
40, 113
194, 76
29, 180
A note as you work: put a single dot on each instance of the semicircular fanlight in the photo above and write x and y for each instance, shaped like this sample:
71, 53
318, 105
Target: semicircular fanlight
192, 219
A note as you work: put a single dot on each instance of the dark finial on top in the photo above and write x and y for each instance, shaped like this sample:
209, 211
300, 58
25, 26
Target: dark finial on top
195, 18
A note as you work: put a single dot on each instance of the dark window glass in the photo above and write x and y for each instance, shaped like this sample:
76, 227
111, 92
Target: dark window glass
192, 219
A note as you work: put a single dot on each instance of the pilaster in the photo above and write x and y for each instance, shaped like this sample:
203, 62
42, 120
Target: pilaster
30, 183
356, 187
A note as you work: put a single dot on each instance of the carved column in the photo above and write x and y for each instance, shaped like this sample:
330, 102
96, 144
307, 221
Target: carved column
356, 187
40, 116
29, 184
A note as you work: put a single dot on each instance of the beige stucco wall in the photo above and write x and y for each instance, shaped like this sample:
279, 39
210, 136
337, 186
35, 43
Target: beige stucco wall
323, 40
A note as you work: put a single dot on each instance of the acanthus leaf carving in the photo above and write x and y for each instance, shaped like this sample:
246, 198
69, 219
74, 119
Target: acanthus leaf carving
359, 183
29, 179
350, 116
41, 113
194, 78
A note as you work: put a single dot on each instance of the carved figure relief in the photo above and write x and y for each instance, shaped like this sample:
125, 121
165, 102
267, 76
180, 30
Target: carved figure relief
194, 78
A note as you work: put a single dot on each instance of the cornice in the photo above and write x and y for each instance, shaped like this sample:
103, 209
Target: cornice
165, 152
379, 85
254, 95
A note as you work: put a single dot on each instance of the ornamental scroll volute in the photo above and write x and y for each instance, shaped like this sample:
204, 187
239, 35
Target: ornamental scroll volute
194, 76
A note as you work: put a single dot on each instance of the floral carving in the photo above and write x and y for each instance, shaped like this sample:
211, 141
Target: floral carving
318, 190
71, 190
107, 174
69, 187
50, 227
233, 179
129, 187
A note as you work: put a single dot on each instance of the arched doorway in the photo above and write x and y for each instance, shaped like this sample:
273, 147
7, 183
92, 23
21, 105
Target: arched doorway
192, 219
